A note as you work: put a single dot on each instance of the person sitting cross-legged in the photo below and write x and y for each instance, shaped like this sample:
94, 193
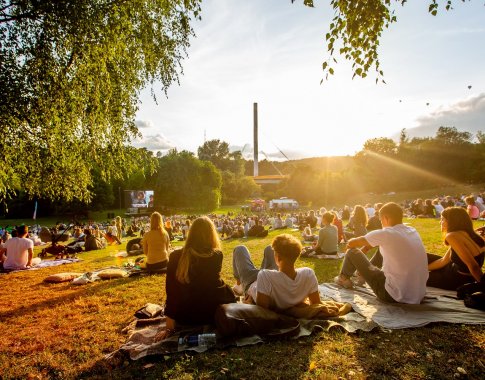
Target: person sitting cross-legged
17, 252
278, 285
401, 253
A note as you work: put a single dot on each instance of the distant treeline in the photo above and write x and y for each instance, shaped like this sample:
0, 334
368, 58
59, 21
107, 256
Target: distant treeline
182, 180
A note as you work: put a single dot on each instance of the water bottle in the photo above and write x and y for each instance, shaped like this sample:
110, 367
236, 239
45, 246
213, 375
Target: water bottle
207, 340
201, 340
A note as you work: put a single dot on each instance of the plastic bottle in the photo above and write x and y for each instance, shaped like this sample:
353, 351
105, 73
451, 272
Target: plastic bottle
207, 340
201, 340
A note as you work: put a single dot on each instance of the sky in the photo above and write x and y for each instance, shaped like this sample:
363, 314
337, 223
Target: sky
270, 52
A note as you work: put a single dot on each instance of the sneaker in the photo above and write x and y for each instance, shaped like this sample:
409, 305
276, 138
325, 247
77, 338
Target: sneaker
343, 282
238, 290
358, 280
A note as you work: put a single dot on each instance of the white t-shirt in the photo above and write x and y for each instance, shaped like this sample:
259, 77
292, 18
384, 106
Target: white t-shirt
439, 208
283, 291
17, 253
405, 263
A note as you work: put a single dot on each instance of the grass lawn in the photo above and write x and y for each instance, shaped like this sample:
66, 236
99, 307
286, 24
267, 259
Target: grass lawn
63, 331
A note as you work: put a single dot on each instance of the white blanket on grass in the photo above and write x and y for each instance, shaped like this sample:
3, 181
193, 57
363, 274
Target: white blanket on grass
438, 306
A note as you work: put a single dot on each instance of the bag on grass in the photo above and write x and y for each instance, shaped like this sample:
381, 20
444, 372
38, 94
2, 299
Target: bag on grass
150, 310
473, 294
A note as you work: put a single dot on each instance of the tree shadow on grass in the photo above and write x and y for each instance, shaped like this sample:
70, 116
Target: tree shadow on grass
88, 289
289, 359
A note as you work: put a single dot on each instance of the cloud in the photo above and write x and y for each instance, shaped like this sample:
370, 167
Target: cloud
466, 115
154, 143
142, 124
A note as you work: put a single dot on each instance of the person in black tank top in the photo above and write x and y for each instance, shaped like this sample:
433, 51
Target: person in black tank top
464, 259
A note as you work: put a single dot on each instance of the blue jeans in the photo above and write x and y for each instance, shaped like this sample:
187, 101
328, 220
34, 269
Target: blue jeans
243, 267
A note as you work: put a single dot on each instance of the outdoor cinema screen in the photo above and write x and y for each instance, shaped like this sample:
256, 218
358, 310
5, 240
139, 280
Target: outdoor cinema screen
139, 198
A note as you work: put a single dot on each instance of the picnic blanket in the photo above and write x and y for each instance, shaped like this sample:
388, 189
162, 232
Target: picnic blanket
338, 256
142, 332
438, 306
47, 264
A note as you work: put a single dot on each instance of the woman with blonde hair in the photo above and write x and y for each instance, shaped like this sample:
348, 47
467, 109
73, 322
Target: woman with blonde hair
156, 244
194, 286
463, 261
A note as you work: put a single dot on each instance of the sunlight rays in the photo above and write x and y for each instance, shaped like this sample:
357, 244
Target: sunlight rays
418, 171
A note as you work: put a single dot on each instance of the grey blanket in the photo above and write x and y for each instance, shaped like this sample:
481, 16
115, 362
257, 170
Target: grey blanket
438, 306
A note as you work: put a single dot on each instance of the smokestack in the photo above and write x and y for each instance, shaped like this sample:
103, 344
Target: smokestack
255, 115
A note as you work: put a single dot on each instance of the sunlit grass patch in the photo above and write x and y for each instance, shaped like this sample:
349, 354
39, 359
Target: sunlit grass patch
63, 331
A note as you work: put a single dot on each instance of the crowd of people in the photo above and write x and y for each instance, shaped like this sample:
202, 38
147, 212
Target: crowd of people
399, 271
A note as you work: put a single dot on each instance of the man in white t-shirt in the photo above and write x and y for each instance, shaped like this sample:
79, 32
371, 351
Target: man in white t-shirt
401, 254
277, 285
19, 251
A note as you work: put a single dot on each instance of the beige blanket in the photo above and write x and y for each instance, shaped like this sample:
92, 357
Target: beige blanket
438, 306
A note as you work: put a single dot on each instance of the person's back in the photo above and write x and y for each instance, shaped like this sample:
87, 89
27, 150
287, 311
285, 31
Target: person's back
399, 270
155, 244
284, 291
404, 261
256, 230
276, 289
327, 240
19, 251
92, 243
374, 223
194, 286
311, 220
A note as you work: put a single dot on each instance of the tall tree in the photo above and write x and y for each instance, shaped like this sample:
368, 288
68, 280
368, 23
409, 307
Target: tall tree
70, 75
217, 152
183, 181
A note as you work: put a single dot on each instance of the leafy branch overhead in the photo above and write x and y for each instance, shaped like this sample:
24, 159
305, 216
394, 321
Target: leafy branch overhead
355, 32
70, 75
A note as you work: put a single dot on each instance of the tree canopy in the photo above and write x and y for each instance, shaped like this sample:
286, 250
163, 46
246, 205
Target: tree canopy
70, 75
183, 181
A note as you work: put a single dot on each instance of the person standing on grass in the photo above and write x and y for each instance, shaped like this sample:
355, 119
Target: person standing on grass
17, 252
399, 270
277, 285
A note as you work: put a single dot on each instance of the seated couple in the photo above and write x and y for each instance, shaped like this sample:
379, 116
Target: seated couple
195, 289
406, 268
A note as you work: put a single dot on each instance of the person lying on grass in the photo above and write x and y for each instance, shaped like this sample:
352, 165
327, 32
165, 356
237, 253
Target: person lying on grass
401, 256
277, 285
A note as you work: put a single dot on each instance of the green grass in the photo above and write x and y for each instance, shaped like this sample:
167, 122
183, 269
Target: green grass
60, 331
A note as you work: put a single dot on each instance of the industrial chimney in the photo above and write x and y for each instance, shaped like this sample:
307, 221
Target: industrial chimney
255, 117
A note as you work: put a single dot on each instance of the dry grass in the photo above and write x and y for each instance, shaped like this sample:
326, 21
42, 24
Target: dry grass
63, 331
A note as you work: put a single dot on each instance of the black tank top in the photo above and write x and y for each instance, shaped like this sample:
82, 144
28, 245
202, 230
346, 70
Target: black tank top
461, 266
